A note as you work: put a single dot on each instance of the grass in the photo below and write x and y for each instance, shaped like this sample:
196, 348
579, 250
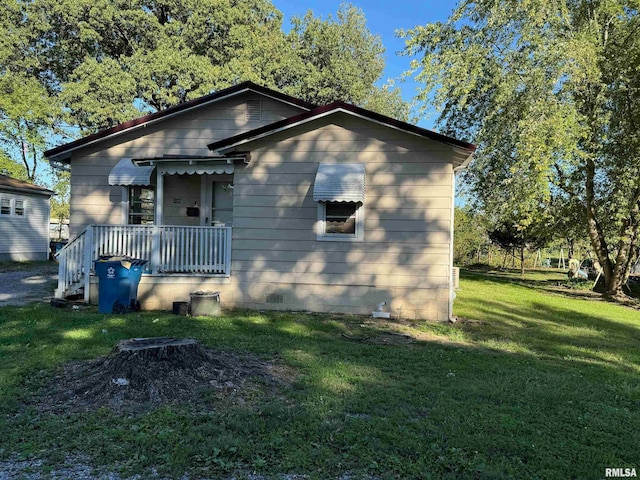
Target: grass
536, 384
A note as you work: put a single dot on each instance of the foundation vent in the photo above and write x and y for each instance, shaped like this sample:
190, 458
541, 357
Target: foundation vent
275, 298
254, 110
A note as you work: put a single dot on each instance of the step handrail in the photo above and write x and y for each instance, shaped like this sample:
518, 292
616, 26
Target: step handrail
74, 264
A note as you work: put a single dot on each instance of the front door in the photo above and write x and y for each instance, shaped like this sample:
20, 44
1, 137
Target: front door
217, 206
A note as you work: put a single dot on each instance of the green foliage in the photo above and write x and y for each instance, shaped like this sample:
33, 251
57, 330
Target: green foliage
340, 59
27, 113
470, 235
60, 201
549, 92
388, 101
12, 169
100, 94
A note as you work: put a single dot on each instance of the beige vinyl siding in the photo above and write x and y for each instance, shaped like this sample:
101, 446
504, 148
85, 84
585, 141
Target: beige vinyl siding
404, 258
27, 237
94, 201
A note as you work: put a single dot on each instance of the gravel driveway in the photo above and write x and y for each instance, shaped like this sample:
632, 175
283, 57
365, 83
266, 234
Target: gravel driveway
26, 283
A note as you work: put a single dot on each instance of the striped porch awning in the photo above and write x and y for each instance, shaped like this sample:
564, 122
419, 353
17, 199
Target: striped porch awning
128, 173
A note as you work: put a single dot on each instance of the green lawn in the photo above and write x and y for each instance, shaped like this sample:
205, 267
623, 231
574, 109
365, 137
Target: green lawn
533, 384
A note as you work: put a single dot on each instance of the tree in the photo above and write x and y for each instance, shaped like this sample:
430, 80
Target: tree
60, 208
550, 93
340, 59
28, 112
512, 236
470, 234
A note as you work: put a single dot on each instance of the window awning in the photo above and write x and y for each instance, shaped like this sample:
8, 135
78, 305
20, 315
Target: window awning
196, 169
128, 173
339, 182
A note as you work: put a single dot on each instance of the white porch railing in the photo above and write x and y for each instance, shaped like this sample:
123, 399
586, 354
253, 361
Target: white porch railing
169, 249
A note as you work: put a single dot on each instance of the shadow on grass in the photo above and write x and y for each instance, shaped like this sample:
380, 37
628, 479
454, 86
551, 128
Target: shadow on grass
533, 278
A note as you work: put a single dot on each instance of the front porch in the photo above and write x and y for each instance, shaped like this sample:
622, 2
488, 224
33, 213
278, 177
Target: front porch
171, 250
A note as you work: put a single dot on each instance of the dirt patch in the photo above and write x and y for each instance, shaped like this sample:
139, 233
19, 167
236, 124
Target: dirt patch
146, 383
381, 338
397, 332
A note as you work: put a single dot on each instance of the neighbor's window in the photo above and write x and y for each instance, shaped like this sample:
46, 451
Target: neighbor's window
5, 206
18, 209
14, 207
141, 205
340, 221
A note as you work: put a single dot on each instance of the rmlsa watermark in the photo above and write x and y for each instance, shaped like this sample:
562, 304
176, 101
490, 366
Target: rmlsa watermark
620, 473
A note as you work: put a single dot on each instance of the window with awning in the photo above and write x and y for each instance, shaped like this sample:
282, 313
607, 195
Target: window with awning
339, 190
339, 182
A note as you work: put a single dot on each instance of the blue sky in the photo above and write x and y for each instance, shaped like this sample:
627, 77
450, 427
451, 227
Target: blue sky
383, 19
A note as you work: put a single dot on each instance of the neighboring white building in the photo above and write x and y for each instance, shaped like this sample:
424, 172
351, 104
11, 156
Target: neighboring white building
24, 220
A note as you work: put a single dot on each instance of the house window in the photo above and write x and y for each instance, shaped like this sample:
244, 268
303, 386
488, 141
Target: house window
141, 205
12, 206
5, 206
18, 208
340, 221
339, 190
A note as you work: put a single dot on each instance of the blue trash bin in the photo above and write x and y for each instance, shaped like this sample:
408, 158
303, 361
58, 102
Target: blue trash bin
118, 284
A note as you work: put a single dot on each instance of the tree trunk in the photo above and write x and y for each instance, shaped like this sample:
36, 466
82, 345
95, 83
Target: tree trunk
571, 247
626, 246
596, 234
522, 249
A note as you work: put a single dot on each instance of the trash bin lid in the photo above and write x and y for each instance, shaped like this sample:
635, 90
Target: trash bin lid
126, 262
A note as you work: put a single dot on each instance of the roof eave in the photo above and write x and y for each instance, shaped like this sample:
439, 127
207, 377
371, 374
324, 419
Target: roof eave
228, 145
34, 191
62, 153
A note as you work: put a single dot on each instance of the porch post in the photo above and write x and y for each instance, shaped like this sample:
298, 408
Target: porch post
159, 196
227, 253
155, 249
155, 236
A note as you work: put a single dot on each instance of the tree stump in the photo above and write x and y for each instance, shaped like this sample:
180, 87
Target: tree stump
143, 372
148, 359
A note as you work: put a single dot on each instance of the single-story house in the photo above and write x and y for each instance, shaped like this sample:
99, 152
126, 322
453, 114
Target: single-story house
272, 201
24, 220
